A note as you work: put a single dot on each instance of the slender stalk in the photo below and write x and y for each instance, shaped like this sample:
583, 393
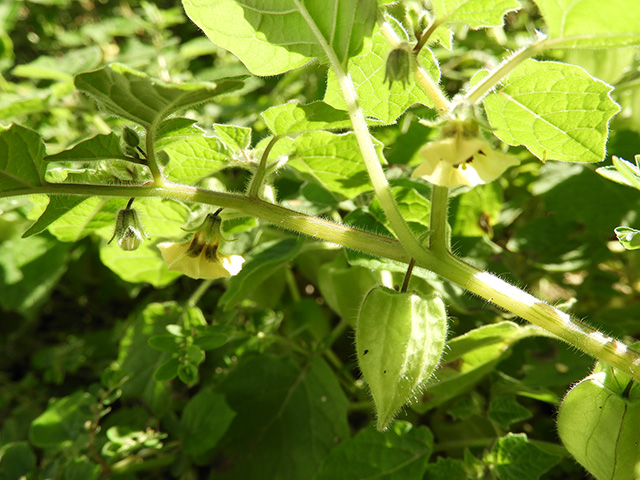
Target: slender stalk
438, 235
259, 176
505, 68
152, 161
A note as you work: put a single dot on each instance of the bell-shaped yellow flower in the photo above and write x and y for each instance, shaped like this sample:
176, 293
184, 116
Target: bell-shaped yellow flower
460, 160
199, 257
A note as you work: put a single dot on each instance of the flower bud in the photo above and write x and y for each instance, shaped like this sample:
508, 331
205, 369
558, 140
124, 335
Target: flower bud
399, 64
128, 230
130, 137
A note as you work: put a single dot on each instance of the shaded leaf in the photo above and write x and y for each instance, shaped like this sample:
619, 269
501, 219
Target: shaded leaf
276, 36
205, 419
21, 153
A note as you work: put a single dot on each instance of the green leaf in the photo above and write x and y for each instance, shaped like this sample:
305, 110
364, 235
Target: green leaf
415, 209
165, 343
16, 461
332, 161
293, 117
475, 13
205, 419
61, 68
377, 98
194, 158
399, 453
470, 357
62, 421
134, 96
142, 265
475, 211
591, 23
235, 138
293, 415
515, 458
138, 361
275, 36
100, 147
628, 237
259, 266
30, 270
506, 410
167, 371
447, 469
21, 164
557, 111
622, 172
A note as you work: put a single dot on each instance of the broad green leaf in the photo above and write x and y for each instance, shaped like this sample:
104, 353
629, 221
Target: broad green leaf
58, 206
30, 270
628, 237
474, 212
332, 161
174, 129
557, 111
61, 68
236, 138
14, 105
100, 147
294, 416
205, 419
377, 98
293, 117
514, 457
506, 410
415, 209
134, 96
143, 265
399, 453
21, 164
470, 357
16, 461
194, 158
63, 420
260, 264
475, 13
447, 469
591, 23
138, 361
275, 36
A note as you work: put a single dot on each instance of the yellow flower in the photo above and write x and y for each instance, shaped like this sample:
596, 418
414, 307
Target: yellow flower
457, 160
199, 257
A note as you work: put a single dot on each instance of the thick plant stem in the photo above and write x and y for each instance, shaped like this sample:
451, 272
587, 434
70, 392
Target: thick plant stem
483, 284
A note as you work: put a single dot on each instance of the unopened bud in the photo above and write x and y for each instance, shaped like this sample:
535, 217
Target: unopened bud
399, 63
128, 230
130, 137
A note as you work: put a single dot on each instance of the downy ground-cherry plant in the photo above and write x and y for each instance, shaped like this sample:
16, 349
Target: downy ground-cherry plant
319, 239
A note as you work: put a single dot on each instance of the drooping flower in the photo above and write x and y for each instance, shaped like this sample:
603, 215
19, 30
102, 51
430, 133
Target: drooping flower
199, 257
128, 230
461, 160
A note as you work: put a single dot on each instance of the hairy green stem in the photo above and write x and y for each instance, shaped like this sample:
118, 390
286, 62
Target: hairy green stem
152, 161
261, 173
505, 68
446, 265
438, 234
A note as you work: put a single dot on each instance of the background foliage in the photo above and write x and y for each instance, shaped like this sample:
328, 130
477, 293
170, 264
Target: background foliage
114, 367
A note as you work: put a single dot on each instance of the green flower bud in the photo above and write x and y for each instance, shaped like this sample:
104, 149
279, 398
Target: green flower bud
598, 424
128, 230
399, 64
130, 137
399, 342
